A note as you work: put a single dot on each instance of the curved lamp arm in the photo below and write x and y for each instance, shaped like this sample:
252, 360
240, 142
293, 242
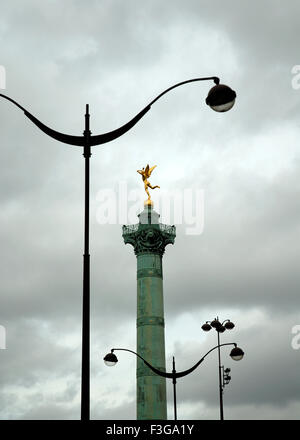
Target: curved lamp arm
106, 137
159, 372
174, 375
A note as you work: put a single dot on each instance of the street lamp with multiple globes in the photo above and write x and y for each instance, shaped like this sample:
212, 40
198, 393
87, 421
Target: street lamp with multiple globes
220, 98
111, 359
223, 375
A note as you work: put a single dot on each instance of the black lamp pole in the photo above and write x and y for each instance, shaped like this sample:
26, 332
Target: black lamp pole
220, 98
174, 389
220, 381
220, 327
85, 372
111, 359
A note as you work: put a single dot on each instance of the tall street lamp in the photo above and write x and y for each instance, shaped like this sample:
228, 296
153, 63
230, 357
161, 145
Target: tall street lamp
223, 375
111, 359
220, 98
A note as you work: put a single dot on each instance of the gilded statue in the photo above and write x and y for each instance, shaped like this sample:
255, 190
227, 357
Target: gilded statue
146, 173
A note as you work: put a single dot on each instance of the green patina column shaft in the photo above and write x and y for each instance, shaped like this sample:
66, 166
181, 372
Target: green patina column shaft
149, 239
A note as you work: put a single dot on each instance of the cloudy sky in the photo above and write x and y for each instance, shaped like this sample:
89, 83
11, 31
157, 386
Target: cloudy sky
241, 260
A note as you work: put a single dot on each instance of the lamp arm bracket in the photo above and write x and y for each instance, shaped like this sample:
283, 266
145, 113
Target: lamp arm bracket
105, 137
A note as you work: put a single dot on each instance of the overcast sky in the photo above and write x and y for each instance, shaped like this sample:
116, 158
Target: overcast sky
242, 263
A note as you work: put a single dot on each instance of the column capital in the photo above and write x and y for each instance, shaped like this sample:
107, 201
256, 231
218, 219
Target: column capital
148, 236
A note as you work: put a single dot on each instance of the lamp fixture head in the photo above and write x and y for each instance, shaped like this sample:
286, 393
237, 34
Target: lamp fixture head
206, 327
237, 354
110, 359
229, 325
215, 323
221, 98
220, 329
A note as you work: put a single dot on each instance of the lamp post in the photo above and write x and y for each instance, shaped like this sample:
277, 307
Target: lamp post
223, 378
220, 98
111, 359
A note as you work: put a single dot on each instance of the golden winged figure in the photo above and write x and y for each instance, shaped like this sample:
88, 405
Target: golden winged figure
146, 173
